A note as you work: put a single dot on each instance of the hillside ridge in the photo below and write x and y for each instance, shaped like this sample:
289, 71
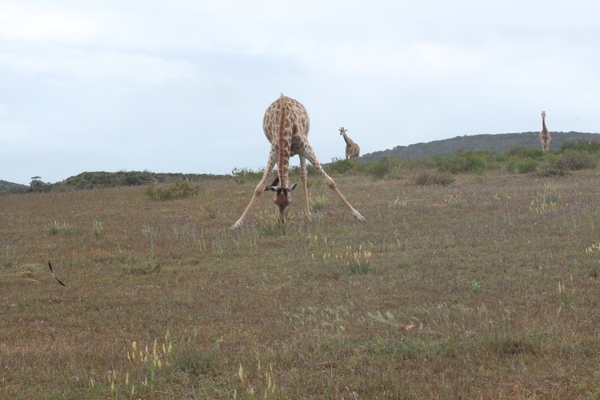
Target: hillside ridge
498, 143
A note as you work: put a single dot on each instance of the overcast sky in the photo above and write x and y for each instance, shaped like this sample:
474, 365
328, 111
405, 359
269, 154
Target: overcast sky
182, 85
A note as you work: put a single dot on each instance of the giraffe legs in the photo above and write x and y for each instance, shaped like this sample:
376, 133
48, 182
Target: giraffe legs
260, 187
309, 154
304, 178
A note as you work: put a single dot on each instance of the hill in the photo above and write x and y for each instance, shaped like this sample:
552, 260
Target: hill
497, 143
11, 187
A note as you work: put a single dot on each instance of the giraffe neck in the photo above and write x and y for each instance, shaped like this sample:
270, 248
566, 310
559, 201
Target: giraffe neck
347, 139
544, 129
284, 145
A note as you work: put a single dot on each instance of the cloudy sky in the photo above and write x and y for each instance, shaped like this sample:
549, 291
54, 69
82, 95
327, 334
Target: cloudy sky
182, 85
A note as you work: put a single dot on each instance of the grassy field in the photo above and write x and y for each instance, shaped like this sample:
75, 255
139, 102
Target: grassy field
486, 288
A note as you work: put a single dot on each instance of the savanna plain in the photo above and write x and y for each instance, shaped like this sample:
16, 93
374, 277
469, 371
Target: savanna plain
486, 287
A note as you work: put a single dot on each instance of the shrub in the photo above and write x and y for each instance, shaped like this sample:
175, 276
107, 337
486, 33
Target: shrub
341, 166
240, 175
523, 153
433, 178
521, 166
464, 161
588, 146
576, 160
549, 168
381, 167
181, 189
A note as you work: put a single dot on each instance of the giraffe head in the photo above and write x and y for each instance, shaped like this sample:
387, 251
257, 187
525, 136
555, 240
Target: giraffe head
342, 130
282, 196
543, 114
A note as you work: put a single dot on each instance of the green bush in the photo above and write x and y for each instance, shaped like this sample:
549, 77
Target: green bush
576, 160
580, 145
381, 167
178, 190
341, 166
524, 153
433, 178
464, 161
241, 175
521, 166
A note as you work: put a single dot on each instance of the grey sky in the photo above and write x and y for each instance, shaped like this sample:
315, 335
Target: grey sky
182, 85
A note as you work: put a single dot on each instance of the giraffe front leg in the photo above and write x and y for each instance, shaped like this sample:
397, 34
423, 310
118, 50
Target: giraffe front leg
304, 178
310, 156
259, 188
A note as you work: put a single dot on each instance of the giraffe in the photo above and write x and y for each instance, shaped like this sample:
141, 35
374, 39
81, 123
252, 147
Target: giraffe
545, 135
352, 149
286, 124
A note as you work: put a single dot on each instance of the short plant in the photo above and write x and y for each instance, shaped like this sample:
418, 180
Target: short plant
98, 230
475, 287
7, 254
271, 225
259, 383
358, 262
317, 203
398, 204
545, 201
63, 228
454, 201
195, 360
594, 252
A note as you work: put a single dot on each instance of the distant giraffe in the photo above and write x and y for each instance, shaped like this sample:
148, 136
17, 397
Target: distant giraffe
352, 149
545, 135
286, 124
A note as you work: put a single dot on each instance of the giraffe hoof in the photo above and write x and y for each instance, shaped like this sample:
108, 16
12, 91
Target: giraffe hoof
359, 217
236, 226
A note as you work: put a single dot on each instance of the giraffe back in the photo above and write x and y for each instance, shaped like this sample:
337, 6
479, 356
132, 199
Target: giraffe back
286, 125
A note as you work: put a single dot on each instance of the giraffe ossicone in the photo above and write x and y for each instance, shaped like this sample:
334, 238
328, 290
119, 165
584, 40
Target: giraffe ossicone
286, 125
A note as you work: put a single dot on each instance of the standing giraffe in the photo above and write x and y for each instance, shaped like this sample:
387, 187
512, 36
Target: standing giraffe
352, 149
545, 135
286, 126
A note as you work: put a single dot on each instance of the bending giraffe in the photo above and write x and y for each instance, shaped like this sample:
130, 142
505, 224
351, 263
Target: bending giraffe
545, 135
286, 124
352, 149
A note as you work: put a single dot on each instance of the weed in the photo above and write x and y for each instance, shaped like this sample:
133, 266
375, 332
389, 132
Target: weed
545, 201
270, 225
195, 360
454, 201
7, 255
317, 203
98, 230
397, 204
358, 262
62, 228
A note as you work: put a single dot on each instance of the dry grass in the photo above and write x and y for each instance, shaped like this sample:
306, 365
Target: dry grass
483, 288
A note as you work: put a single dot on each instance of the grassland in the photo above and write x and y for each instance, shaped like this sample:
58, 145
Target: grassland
485, 288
